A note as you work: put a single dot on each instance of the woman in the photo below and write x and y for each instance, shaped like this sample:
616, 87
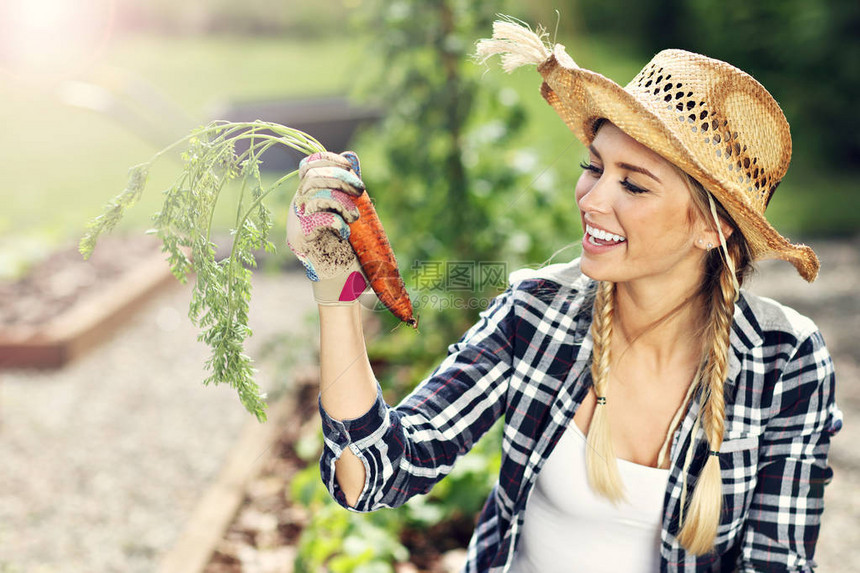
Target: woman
656, 416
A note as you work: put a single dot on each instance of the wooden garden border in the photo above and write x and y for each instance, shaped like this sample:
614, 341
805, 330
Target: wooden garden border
86, 323
217, 508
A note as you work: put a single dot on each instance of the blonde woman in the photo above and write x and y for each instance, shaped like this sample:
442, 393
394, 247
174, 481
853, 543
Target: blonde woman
657, 417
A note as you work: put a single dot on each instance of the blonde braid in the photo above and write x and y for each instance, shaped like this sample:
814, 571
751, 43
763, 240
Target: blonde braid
600, 457
699, 530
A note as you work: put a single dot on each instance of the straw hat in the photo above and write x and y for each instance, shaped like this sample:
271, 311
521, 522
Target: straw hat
712, 120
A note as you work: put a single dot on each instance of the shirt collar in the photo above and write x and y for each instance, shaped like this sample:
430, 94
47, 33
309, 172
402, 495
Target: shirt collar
746, 334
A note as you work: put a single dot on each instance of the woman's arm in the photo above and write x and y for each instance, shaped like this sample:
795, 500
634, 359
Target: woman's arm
347, 383
317, 233
374, 455
405, 450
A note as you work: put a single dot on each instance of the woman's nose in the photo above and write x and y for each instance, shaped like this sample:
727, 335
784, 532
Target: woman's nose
595, 199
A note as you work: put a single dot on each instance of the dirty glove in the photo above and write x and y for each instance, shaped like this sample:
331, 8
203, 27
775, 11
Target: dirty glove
318, 226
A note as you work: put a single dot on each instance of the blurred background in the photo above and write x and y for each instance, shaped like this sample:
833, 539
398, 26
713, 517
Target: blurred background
466, 165
91, 88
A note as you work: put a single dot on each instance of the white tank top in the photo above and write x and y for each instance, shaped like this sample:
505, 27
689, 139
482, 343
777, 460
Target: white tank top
569, 528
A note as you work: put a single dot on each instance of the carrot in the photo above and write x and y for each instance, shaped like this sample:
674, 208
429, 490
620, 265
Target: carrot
371, 246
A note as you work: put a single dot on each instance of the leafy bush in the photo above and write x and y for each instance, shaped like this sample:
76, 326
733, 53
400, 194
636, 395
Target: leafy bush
341, 541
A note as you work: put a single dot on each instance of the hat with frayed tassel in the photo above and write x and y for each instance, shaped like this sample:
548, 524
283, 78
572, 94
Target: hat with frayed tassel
712, 120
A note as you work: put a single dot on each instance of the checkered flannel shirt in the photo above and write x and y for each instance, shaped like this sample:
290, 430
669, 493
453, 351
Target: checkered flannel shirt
527, 360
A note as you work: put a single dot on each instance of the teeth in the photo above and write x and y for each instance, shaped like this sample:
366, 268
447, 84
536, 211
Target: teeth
603, 235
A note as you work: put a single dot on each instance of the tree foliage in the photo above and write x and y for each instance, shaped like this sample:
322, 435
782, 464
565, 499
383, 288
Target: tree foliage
448, 188
805, 52
447, 178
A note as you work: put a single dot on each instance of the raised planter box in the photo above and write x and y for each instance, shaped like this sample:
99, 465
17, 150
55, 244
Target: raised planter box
87, 321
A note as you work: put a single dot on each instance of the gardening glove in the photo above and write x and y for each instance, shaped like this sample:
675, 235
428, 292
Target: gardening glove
318, 226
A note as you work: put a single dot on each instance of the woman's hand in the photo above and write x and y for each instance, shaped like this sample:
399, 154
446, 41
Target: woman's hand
318, 226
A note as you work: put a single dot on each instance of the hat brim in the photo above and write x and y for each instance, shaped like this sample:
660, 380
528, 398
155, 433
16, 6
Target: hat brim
582, 97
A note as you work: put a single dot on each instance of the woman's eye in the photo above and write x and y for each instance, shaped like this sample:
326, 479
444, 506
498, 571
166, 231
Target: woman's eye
625, 183
632, 188
590, 167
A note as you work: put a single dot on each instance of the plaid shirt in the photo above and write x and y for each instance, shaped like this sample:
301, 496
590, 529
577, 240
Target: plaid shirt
528, 360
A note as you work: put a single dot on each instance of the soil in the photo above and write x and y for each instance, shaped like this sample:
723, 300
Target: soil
64, 278
267, 526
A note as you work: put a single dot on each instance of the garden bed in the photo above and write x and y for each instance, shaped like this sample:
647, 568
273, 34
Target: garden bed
264, 531
64, 305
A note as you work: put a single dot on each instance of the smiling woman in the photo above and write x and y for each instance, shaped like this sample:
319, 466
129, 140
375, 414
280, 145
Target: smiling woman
53, 38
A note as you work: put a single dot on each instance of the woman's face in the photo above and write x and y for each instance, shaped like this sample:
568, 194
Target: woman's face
637, 214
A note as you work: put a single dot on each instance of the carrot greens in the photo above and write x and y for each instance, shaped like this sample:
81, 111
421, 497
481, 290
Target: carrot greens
222, 287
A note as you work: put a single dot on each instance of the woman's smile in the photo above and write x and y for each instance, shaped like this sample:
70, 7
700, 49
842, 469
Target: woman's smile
597, 239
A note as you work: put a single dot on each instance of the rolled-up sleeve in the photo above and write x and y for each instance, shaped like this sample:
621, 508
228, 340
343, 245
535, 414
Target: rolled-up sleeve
409, 448
785, 513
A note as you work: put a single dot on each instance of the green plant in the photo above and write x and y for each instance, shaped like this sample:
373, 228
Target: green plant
340, 541
222, 288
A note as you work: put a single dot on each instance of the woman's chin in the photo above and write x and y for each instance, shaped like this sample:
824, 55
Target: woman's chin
594, 270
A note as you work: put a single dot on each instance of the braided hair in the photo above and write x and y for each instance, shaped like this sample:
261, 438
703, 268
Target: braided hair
725, 269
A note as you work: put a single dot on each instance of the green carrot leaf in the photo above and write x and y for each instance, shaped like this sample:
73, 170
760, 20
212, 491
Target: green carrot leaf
221, 293
114, 210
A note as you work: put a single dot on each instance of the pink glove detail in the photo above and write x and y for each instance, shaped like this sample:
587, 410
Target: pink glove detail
353, 288
313, 223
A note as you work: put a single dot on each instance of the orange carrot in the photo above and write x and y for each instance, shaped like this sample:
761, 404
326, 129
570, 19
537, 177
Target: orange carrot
371, 246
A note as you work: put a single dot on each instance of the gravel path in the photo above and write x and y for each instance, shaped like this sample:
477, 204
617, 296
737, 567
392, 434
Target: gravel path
103, 461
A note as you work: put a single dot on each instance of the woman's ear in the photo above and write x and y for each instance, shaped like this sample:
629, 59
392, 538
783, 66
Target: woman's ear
709, 237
